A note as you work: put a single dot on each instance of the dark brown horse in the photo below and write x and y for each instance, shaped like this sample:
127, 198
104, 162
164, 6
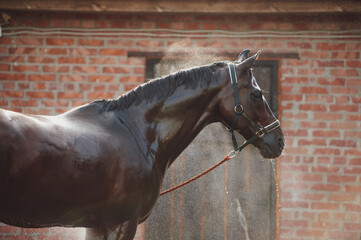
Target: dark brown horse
101, 165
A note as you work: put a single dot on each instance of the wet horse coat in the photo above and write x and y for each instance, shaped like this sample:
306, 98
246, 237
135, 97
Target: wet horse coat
102, 165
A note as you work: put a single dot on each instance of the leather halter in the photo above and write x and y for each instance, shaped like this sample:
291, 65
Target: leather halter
239, 111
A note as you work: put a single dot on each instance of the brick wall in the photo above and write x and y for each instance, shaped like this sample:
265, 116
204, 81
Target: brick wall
320, 170
319, 173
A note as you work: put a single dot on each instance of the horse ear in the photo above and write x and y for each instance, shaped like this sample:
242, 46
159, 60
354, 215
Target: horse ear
248, 63
243, 55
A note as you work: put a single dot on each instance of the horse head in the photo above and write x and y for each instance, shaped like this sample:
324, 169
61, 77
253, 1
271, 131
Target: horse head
244, 109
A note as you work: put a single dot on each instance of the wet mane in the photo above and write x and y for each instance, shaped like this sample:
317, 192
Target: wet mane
161, 88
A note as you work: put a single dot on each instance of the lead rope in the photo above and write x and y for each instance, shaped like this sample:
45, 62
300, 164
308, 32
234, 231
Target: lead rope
229, 156
196, 177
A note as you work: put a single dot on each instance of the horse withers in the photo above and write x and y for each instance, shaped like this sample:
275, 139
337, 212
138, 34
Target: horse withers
101, 165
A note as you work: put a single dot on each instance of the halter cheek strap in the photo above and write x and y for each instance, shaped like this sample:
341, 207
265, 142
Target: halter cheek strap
238, 108
239, 111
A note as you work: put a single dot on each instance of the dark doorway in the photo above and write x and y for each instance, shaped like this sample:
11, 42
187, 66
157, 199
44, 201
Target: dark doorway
235, 201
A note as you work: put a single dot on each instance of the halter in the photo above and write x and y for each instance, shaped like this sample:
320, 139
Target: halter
239, 111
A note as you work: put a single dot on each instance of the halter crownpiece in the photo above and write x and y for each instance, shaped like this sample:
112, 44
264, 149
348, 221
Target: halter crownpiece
239, 111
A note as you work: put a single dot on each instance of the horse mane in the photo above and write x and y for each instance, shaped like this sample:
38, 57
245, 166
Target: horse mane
163, 87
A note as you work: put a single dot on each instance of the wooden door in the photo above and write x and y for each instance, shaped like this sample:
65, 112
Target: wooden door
236, 200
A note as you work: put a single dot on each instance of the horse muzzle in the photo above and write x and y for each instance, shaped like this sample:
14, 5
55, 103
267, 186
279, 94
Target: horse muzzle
271, 145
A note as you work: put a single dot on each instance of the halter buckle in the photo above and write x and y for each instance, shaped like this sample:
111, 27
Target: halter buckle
238, 109
260, 132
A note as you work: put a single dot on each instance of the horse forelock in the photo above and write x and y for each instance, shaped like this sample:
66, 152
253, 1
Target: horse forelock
163, 87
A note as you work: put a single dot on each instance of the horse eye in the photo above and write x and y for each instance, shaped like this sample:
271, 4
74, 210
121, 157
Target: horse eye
256, 95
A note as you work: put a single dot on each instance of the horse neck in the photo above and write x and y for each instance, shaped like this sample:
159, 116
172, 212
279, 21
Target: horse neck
183, 117
175, 121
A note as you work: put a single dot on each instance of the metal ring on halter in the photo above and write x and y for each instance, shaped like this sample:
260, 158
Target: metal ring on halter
238, 109
232, 153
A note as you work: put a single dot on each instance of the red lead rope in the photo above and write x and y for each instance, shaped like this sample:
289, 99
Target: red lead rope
230, 155
196, 177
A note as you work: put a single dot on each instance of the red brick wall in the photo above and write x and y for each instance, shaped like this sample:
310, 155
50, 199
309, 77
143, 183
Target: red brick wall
320, 171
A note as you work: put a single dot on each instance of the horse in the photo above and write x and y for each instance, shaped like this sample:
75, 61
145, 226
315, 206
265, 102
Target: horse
101, 165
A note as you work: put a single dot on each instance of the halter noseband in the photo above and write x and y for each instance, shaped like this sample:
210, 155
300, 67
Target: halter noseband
239, 111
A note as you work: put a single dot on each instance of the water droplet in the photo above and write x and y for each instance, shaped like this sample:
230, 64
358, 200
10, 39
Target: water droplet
242, 219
